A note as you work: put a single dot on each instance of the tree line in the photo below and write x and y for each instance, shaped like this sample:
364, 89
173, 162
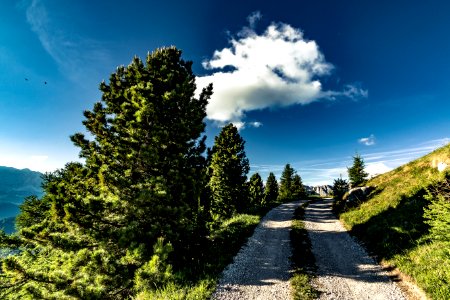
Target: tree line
148, 195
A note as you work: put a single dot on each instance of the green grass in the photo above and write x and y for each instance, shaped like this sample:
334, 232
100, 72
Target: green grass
302, 259
199, 284
391, 223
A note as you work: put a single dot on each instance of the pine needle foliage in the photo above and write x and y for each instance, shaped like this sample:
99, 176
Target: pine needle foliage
112, 227
256, 191
298, 189
291, 186
356, 173
286, 179
228, 173
271, 189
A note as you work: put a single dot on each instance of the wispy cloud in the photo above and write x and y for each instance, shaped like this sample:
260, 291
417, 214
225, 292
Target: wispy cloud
74, 55
368, 141
276, 68
253, 18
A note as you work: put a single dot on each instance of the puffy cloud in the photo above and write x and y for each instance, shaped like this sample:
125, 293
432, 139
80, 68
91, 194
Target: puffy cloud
276, 68
368, 141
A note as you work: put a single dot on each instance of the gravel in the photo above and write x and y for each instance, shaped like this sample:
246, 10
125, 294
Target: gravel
261, 269
345, 270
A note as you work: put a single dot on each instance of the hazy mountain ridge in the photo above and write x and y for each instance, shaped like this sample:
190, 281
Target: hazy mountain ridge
17, 184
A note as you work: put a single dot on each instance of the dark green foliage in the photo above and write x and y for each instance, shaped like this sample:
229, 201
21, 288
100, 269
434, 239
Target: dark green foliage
228, 173
356, 173
256, 191
271, 189
291, 186
298, 190
287, 177
33, 211
97, 233
340, 187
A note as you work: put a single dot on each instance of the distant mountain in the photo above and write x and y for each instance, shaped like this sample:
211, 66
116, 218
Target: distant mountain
17, 184
321, 190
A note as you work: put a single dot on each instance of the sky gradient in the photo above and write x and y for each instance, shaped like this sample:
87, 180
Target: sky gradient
308, 82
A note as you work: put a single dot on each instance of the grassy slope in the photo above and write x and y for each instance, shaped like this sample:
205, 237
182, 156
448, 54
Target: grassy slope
391, 223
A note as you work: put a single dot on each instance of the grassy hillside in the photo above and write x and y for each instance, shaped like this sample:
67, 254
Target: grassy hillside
392, 225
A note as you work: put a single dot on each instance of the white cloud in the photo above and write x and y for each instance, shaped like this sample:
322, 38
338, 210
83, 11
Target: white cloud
74, 55
377, 168
276, 68
368, 141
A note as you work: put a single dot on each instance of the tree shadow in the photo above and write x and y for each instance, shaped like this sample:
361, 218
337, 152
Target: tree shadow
396, 229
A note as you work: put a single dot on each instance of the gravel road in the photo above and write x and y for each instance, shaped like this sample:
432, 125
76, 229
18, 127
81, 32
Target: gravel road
261, 269
345, 271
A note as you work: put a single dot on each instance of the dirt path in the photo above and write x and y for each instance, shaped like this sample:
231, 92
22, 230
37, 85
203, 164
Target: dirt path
261, 269
345, 271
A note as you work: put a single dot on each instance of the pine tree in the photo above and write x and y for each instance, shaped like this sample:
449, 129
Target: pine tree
228, 173
271, 189
256, 191
340, 187
437, 214
298, 189
112, 222
356, 173
286, 181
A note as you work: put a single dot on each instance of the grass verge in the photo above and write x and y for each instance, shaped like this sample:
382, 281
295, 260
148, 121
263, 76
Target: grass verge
302, 259
199, 284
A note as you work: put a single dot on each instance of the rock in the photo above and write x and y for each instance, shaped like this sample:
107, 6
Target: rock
321, 190
358, 194
441, 166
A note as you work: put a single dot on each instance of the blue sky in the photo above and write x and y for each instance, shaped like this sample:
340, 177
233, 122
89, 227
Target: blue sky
309, 82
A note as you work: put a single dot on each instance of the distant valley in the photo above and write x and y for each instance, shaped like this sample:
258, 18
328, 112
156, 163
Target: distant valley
15, 185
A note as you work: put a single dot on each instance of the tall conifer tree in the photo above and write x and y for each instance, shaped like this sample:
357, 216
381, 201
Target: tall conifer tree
112, 222
271, 189
356, 174
298, 189
256, 191
228, 173
286, 180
